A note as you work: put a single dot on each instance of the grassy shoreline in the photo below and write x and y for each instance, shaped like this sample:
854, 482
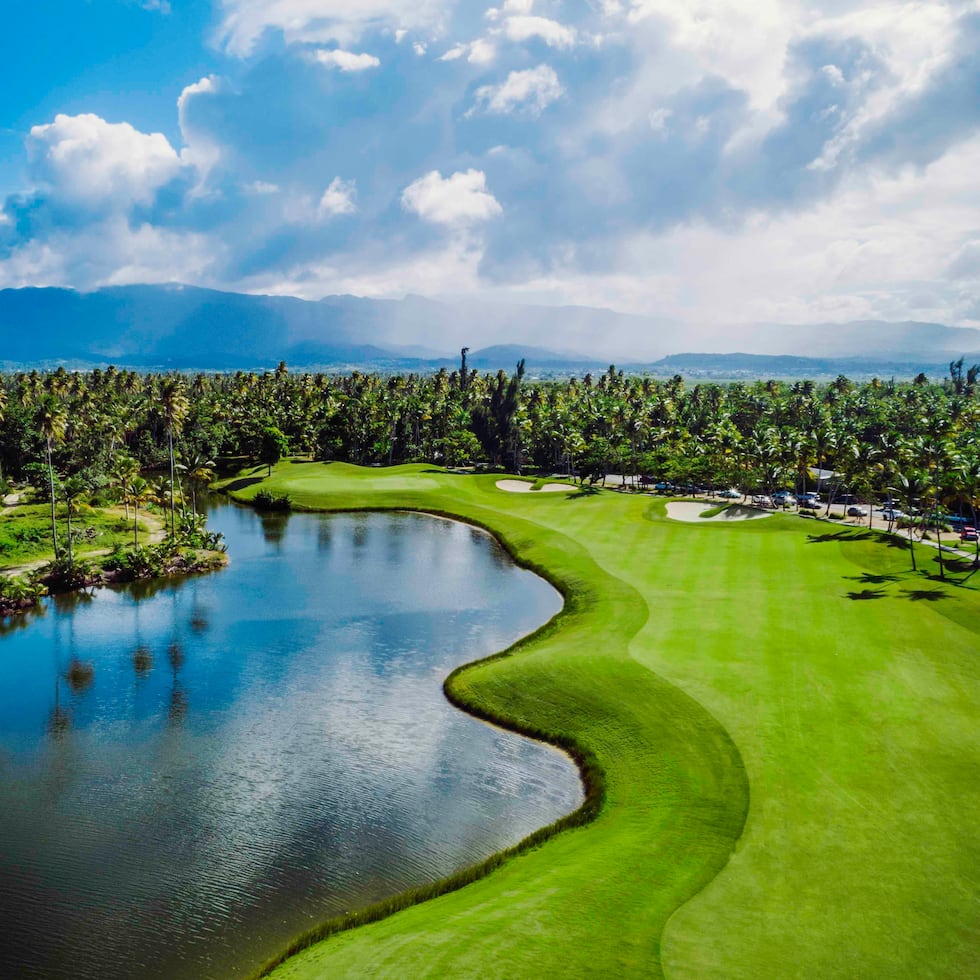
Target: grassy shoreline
677, 643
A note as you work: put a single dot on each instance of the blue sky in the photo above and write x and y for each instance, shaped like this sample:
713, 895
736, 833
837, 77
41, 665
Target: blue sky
717, 162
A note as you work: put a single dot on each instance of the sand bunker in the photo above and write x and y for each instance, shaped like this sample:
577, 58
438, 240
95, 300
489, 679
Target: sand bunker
519, 486
690, 512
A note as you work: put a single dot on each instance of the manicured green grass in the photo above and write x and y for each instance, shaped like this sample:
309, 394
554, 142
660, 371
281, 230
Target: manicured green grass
786, 718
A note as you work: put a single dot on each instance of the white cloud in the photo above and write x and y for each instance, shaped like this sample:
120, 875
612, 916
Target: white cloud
461, 199
553, 34
84, 160
338, 198
111, 253
879, 248
455, 52
482, 52
518, 6
531, 90
243, 22
346, 60
200, 150
478, 52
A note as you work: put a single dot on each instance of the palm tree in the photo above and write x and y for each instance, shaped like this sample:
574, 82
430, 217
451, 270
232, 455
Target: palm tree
52, 423
71, 490
174, 407
910, 488
199, 469
137, 492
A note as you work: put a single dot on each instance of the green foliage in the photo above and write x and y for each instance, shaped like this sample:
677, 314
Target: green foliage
273, 447
264, 500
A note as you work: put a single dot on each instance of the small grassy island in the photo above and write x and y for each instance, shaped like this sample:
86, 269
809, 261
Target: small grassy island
778, 720
99, 544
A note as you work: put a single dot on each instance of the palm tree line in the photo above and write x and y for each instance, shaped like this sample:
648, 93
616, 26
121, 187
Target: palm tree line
115, 428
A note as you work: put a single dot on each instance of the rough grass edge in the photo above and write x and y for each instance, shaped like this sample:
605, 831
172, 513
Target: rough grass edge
591, 773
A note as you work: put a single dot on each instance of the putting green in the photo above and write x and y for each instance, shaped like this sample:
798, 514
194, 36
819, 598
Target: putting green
794, 659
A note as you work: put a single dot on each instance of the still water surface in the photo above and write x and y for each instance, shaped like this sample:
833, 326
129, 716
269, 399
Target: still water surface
257, 749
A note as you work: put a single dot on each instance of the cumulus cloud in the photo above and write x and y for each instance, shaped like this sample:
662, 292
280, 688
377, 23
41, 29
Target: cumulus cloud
555, 35
346, 60
530, 91
85, 161
461, 199
243, 22
338, 198
478, 52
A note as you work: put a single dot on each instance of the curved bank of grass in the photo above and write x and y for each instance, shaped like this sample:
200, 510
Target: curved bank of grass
848, 685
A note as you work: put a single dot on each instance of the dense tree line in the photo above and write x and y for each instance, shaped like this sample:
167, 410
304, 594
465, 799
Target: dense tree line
121, 430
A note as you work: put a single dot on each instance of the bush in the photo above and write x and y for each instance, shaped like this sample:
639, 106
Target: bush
264, 500
62, 575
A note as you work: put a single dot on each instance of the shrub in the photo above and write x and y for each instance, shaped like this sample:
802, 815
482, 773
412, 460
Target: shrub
264, 500
62, 575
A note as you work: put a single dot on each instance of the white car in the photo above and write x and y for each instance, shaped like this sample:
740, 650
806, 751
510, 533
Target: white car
856, 512
761, 501
731, 493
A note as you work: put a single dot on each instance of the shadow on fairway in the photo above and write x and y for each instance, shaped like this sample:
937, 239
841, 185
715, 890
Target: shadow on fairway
925, 595
870, 578
846, 534
241, 484
867, 594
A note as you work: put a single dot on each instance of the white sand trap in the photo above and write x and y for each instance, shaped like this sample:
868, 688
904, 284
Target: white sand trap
690, 511
519, 486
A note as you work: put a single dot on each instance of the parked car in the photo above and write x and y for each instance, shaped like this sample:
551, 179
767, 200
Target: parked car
731, 493
968, 534
663, 486
760, 500
957, 521
809, 499
857, 512
891, 515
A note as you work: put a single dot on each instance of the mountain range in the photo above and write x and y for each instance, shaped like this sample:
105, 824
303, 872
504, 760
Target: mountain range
186, 327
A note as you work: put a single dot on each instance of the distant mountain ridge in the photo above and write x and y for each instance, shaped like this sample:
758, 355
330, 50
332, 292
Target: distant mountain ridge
187, 327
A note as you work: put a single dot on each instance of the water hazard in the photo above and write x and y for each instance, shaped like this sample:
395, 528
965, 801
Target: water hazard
192, 774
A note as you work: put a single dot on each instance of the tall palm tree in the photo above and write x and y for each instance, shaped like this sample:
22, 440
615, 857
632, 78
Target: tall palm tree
199, 469
52, 422
911, 487
174, 408
137, 492
71, 490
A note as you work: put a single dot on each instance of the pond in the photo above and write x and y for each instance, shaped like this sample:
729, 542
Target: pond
193, 772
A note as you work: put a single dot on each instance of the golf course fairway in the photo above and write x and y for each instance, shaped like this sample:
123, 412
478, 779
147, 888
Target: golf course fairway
786, 719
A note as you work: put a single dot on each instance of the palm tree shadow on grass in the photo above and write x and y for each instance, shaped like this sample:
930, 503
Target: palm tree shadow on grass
925, 595
866, 594
870, 578
846, 534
